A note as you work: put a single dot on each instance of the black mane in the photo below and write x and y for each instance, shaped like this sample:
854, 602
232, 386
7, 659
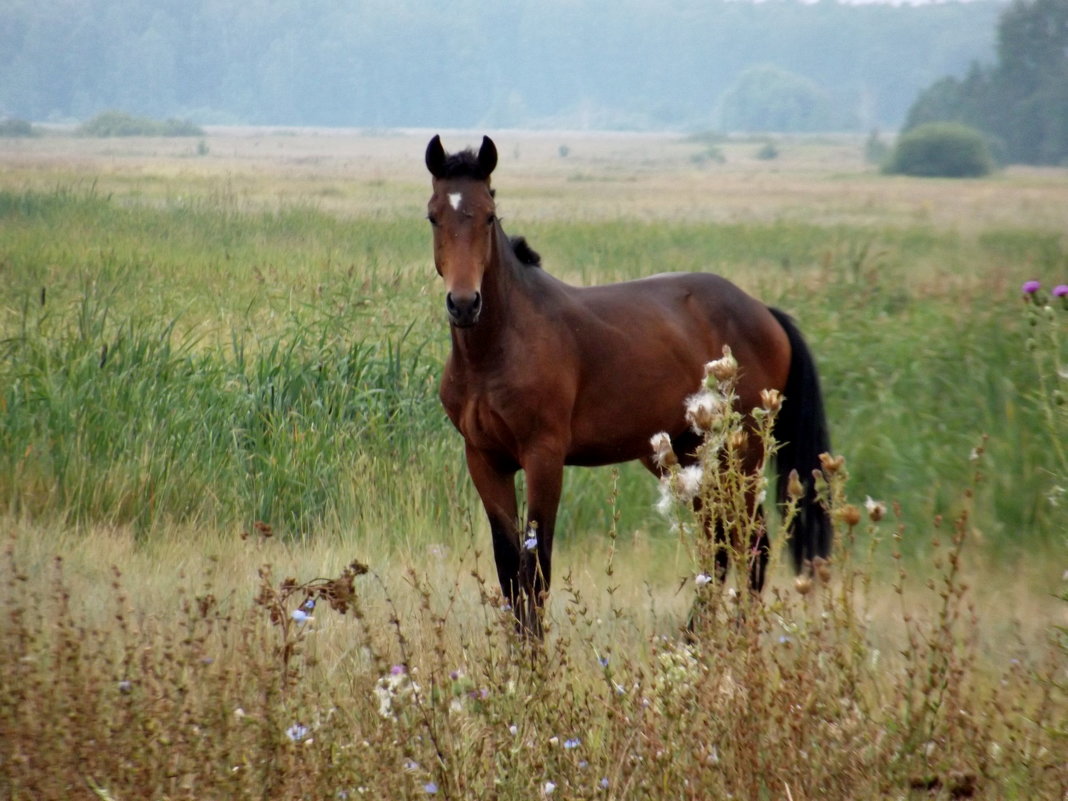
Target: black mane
524, 252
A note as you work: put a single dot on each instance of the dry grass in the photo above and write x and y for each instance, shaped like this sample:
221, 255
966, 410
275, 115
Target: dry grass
628, 176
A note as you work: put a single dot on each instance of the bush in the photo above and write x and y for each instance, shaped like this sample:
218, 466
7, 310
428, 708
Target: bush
119, 123
941, 149
12, 127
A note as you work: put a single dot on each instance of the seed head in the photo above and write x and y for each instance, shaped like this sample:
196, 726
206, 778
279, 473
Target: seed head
831, 464
663, 454
803, 584
771, 399
794, 488
822, 568
876, 509
849, 514
702, 410
723, 369
738, 440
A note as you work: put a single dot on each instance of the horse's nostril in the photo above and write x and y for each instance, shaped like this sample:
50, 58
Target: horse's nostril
463, 308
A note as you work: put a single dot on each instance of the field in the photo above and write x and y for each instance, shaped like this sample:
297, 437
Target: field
218, 364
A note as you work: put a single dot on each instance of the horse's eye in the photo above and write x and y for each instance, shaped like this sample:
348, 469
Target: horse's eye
491, 218
433, 220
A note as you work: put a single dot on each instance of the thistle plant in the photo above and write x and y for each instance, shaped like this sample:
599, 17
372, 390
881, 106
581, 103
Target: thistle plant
724, 480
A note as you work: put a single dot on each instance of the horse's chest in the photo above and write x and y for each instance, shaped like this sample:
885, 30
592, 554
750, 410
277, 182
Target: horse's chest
491, 418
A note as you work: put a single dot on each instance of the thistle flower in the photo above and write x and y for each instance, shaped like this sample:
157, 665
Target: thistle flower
723, 369
831, 464
849, 514
1030, 287
663, 453
822, 568
688, 482
771, 399
702, 410
794, 488
876, 509
1060, 290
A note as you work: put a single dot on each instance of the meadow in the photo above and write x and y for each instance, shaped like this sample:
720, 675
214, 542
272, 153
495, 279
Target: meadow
218, 366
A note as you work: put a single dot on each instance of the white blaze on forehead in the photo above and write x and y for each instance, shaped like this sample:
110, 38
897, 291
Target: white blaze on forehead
454, 200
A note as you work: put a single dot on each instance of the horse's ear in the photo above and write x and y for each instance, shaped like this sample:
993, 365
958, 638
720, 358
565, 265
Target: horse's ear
487, 157
435, 156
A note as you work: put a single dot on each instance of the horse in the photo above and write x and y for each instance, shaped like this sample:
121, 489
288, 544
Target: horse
542, 374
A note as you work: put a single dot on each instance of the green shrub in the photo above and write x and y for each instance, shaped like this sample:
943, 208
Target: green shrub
768, 152
119, 123
941, 149
12, 127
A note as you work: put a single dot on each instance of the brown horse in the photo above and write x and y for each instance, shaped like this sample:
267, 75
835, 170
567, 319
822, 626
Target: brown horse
543, 375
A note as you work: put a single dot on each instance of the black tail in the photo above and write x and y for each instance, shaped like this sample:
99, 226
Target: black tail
801, 430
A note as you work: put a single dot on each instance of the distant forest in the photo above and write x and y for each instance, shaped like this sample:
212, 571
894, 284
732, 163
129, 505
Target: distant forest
1021, 101
615, 64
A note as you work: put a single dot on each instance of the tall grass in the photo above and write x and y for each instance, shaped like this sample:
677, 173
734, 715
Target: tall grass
413, 683
210, 359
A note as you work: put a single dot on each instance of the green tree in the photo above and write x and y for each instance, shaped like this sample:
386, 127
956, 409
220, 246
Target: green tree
766, 98
1022, 101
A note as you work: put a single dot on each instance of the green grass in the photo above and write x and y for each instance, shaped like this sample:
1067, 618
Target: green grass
204, 360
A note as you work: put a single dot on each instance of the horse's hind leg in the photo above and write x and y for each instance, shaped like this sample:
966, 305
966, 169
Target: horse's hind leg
759, 551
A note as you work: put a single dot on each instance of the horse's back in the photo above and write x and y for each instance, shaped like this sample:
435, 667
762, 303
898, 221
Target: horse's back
643, 347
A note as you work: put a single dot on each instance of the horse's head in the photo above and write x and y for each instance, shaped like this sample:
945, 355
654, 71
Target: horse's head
463, 216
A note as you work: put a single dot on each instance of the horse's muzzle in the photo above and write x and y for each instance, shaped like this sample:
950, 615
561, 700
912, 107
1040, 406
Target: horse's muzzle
463, 308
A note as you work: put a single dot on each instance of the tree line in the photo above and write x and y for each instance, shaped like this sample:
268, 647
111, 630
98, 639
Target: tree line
1021, 101
684, 64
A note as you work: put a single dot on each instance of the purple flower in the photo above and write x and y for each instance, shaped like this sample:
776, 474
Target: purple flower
1031, 287
573, 742
297, 732
1060, 290
398, 670
430, 788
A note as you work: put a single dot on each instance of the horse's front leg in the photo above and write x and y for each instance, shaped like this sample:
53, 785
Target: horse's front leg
496, 487
544, 477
